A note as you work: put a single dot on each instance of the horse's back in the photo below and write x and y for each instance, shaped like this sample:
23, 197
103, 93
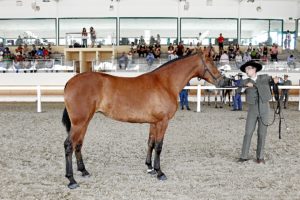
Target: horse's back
134, 99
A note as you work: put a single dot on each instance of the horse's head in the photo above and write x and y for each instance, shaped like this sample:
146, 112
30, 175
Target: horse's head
209, 71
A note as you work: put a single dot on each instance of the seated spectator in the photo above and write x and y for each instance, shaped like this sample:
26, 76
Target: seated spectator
45, 53
7, 54
249, 48
172, 56
246, 57
224, 60
188, 51
274, 52
238, 59
26, 51
171, 49
150, 59
291, 61
265, 53
198, 48
33, 51
180, 49
1, 56
253, 54
141, 50
157, 52
39, 54
19, 50
231, 52
123, 61
133, 47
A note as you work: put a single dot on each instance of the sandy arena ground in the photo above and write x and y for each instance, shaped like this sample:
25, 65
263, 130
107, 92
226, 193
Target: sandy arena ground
199, 157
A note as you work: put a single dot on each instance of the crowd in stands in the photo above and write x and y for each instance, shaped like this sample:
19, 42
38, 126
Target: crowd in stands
23, 52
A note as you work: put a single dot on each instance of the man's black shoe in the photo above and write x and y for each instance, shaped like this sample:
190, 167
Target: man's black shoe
242, 160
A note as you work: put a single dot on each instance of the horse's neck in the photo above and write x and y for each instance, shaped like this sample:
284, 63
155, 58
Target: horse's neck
179, 73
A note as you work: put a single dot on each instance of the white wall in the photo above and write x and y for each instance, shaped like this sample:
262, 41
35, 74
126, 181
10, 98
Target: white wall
271, 9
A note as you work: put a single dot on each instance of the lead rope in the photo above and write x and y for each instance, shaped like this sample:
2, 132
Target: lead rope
277, 111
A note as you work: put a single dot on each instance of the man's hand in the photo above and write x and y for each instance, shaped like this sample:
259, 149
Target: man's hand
276, 79
249, 84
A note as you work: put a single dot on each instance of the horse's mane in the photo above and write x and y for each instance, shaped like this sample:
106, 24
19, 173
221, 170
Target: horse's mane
174, 60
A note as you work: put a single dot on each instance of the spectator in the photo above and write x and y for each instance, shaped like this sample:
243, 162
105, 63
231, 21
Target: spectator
253, 54
246, 57
274, 52
172, 56
265, 53
288, 39
291, 61
285, 92
224, 60
19, 41
158, 38
238, 59
180, 49
231, 52
150, 59
237, 101
84, 36
123, 61
221, 42
188, 51
93, 36
249, 48
183, 96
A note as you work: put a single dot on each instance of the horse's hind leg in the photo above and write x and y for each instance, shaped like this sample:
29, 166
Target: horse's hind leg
160, 129
80, 164
151, 143
69, 168
74, 142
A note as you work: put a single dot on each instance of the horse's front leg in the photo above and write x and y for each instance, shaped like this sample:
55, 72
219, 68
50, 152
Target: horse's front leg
160, 128
151, 142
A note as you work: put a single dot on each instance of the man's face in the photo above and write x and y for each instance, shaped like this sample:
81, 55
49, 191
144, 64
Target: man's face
250, 71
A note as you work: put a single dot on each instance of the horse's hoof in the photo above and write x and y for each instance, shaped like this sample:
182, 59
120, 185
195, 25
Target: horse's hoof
73, 185
85, 174
162, 177
151, 171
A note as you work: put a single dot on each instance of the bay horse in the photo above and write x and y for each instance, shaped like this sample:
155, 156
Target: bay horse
148, 98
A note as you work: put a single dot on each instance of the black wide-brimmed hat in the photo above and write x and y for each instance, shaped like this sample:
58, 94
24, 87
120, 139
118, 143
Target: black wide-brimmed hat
252, 63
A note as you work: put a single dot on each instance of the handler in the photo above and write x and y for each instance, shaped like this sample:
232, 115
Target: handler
258, 94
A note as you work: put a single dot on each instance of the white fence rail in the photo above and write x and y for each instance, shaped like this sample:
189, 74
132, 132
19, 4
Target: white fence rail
39, 89
199, 88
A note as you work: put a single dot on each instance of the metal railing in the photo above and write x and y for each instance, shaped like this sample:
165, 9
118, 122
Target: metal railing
36, 65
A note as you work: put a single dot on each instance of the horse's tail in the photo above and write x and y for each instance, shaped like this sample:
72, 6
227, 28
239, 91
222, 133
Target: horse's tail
66, 120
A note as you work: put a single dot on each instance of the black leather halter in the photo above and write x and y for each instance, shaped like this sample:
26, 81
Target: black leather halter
206, 69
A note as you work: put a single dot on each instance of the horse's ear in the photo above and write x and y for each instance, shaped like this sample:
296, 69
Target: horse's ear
200, 52
207, 52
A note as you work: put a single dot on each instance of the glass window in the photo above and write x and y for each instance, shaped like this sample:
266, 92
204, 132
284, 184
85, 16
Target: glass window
70, 30
132, 29
29, 31
208, 30
258, 31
